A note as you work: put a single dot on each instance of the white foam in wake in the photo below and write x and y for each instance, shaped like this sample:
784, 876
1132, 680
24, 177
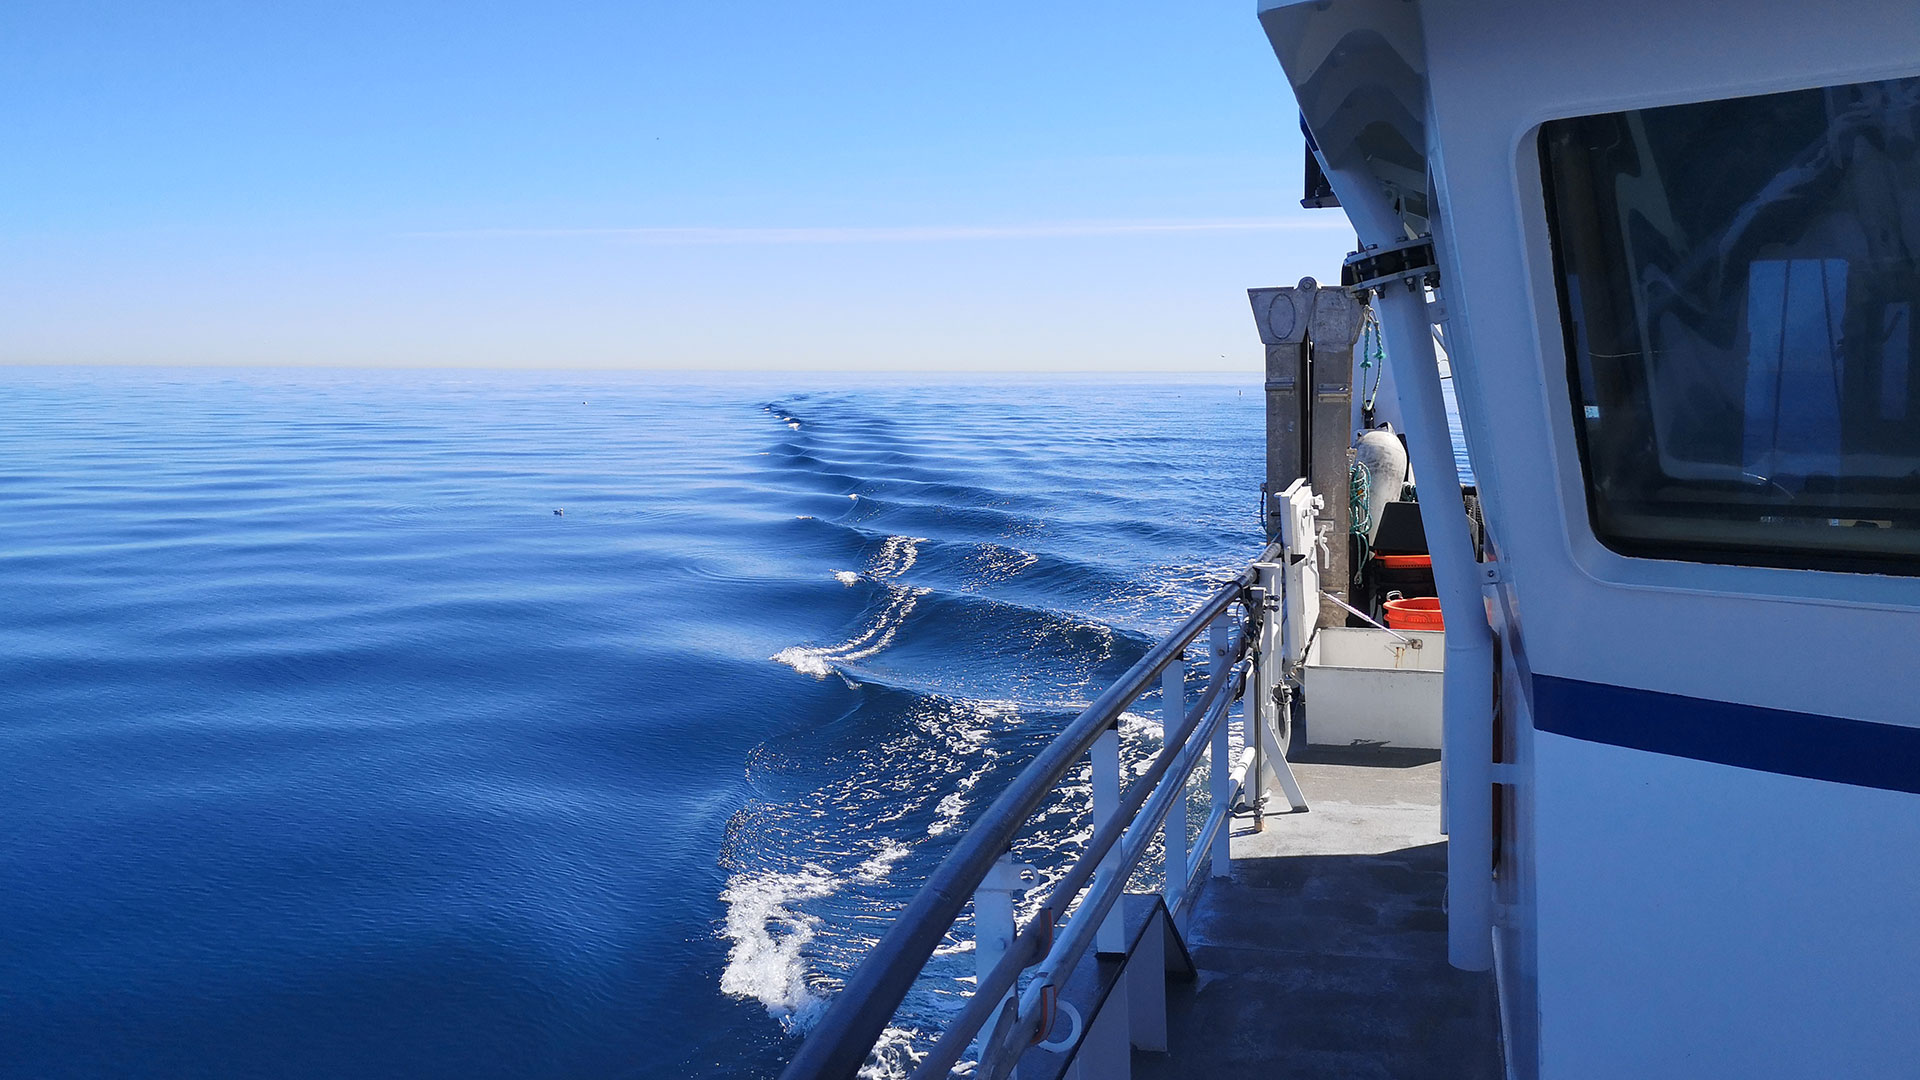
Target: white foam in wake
769, 932
897, 556
819, 662
895, 1056
805, 661
947, 813
880, 863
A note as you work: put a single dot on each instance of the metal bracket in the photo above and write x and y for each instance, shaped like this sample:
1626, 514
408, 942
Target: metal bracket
1492, 573
1275, 763
1323, 530
1011, 877
1409, 261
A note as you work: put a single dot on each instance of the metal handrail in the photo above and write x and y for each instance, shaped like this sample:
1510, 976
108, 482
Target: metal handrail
1034, 1018
840, 1043
1034, 936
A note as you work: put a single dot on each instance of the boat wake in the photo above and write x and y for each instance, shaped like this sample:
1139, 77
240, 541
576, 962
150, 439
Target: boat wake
999, 612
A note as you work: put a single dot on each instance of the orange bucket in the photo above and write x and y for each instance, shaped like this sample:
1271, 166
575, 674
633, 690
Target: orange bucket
1406, 562
1415, 613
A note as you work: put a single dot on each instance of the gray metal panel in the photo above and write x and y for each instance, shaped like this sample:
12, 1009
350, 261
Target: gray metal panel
1332, 463
1310, 334
1286, 418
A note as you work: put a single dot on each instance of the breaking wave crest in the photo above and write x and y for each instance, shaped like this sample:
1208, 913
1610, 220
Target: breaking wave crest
820, 662
896, 556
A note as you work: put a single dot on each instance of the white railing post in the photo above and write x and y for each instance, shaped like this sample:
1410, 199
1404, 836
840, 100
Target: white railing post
1112, 937
1173, 709
993, 927
1223, 764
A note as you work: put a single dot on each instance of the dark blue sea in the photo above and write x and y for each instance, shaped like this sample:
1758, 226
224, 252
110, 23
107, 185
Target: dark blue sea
494, 724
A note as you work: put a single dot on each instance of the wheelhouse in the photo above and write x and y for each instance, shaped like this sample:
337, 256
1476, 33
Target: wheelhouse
1677, 247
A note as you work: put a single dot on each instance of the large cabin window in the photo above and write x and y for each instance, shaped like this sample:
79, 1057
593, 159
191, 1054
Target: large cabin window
1738, 288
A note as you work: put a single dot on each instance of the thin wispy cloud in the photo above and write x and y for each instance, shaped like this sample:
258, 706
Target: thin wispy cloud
896, 234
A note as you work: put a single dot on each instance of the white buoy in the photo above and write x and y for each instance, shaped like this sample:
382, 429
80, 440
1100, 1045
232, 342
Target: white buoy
1386, 461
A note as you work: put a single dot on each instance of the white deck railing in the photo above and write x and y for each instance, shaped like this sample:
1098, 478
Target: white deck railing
1021, 968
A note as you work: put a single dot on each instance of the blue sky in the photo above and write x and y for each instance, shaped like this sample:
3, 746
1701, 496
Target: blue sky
987, 186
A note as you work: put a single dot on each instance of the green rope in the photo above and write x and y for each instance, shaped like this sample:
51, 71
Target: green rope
1360, 508
1373, 360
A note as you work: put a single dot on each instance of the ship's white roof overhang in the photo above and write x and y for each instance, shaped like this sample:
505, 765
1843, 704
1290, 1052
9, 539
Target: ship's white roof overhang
1358, 69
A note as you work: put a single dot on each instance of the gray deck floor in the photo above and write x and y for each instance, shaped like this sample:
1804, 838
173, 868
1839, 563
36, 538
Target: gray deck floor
1325, 954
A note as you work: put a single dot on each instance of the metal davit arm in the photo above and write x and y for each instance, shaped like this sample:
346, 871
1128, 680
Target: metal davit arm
840, 1043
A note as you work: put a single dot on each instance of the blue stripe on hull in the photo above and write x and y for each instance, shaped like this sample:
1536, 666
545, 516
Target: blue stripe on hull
1854, 752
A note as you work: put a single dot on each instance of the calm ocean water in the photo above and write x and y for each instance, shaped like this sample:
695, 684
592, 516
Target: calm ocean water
331, 750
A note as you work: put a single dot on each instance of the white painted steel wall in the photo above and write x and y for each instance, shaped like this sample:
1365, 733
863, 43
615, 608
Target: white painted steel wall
1692, 919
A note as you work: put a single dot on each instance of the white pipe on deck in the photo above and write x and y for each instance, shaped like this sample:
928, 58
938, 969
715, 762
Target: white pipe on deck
1467, 703
1467, 707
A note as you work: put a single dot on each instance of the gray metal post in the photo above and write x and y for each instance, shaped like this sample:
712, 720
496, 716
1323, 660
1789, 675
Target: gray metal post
1336, 325
1286, 416
1282, 317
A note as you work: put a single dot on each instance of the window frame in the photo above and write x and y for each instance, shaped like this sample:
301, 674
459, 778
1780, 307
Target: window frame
1703, 551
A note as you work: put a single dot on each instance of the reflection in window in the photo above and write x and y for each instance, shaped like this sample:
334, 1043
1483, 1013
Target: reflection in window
1737, 283
1896, 341
1794, 367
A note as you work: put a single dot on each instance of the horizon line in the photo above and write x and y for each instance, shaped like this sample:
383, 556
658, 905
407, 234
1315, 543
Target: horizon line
881, 234
1252, 366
